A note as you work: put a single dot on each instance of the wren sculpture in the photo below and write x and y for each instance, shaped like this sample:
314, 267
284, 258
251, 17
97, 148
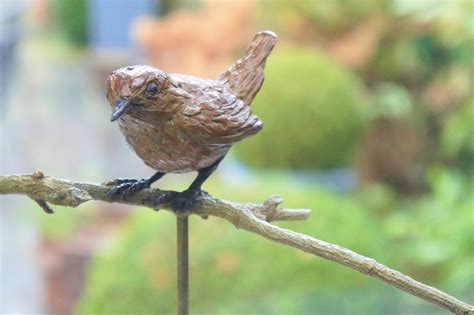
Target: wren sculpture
178, 123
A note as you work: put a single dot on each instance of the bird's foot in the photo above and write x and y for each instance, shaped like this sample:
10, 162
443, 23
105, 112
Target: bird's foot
160, 198
186, 200
125, 187
119, 181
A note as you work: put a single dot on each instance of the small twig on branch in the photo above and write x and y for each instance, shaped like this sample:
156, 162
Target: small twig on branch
44, 205
250, 217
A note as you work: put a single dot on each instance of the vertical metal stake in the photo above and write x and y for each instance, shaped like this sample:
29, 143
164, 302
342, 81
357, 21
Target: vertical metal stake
183, 266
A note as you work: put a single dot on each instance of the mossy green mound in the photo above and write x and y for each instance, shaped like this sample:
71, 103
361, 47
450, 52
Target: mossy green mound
313, 113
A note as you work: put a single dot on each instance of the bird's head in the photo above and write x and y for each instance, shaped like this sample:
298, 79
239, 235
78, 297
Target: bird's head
137, 88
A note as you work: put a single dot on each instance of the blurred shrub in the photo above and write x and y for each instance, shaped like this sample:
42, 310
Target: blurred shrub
62, 225
435, 240
250, 275
71, 18
313, 111
449, 21
410, 59
457, 137
422, 51
394, 152
395, 147
333, 17
392, 101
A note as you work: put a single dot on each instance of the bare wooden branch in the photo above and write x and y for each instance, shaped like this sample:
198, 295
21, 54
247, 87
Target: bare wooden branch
251, 217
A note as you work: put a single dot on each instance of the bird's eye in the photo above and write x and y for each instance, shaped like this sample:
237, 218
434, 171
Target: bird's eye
152, 88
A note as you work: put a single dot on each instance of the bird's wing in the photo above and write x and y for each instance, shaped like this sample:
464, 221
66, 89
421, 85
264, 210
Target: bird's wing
218, 118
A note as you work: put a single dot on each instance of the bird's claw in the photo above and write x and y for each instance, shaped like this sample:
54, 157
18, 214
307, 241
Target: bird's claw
161, 198
128, 187
186, 200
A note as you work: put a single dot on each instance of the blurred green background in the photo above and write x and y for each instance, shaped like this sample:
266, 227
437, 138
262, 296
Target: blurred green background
368, 111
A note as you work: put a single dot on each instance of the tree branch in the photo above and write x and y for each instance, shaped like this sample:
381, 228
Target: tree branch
250, 217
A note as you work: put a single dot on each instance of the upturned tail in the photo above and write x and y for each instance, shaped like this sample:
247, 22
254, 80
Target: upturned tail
245, 77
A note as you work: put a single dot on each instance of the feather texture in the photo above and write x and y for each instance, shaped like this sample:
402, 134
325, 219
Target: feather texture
179, 123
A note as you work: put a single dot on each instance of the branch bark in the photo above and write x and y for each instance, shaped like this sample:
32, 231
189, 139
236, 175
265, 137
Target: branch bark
251, 217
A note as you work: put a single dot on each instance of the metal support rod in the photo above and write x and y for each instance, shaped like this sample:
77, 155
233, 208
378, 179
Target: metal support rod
182, 263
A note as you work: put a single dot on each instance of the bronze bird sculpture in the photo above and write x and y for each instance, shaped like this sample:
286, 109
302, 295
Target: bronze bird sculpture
179, 123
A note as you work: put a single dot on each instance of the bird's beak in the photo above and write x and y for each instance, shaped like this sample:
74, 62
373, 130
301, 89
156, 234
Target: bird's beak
122, 107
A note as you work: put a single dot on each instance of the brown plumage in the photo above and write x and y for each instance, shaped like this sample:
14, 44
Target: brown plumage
177, 123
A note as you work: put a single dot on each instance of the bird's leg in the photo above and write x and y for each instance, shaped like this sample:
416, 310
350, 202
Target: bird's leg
188, 198
129, 186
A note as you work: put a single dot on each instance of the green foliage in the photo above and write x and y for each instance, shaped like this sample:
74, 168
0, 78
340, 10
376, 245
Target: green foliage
433, 236
450, 21
61, 225
250, 275
440, 37
66, 222
457, 138
313, 113
332, 16
71, 17
410, 60
392, 100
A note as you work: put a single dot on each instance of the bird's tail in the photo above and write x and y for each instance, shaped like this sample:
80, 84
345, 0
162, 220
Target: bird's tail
245, 77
